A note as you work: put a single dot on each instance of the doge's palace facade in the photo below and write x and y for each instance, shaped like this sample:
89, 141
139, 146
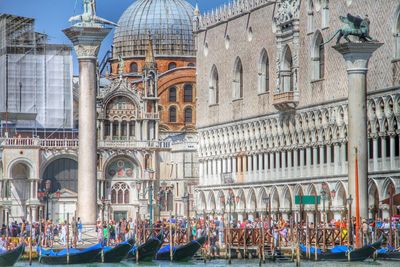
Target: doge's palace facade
275, 106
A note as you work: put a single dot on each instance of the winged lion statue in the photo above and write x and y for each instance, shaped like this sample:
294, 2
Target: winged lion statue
356, 26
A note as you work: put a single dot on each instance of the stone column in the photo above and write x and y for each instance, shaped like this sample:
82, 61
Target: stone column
87, 41
392, 150
357, 56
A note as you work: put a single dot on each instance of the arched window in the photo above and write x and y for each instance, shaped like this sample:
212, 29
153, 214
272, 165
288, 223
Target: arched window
134, 67
238, 79
172, 114
172, 94
325, 14
213, 90
171, 66
286, 72
188, 115
397, 34
120, 193
263, 73
318, 57
310, 16
188, 93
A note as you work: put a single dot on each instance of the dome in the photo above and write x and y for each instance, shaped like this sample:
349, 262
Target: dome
168, 21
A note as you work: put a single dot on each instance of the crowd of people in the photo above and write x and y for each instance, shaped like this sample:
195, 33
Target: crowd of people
113, 232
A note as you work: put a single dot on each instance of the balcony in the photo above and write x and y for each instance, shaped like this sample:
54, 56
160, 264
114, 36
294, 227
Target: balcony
134, 144
286, 101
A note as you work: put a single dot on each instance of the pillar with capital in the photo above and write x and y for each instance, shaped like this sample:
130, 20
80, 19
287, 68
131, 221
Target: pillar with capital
87, 35
357, 56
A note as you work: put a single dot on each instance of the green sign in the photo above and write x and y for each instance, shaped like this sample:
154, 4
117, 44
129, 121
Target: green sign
307, 200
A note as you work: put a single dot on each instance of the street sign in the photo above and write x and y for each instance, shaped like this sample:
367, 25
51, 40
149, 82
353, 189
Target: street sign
307, 200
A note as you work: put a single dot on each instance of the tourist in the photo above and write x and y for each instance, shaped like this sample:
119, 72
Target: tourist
80, 228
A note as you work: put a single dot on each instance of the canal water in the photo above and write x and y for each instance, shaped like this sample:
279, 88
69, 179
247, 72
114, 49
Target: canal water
235, 263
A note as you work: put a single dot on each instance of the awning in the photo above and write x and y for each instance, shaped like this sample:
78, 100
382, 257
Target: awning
396, 200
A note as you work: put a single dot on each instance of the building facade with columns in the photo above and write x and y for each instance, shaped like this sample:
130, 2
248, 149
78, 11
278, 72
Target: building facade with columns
146, 135
275, 111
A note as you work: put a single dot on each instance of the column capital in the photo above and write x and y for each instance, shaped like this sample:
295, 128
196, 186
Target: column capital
357, 55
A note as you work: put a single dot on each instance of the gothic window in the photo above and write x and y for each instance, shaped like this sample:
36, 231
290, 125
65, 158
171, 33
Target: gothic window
120, 193
124, 128
172, 94
397, 34
263, 73
310, 16
172, 114
318, 58
107, 128
171, 66
188, 93
213, 90
325, 14
286, 72
188, 115
238, 79
134, 67
115, 129
132, 128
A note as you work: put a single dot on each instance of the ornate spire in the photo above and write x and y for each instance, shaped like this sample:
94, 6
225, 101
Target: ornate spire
149, 62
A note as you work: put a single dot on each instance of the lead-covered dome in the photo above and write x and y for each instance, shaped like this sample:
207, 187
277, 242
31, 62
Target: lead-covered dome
168, 21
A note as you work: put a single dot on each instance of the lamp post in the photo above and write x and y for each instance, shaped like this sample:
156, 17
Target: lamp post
229, 202
186, 198
349, 228
323, 196
46, 195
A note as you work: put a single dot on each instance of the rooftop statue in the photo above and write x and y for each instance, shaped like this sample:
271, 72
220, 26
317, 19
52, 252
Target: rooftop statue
356, 26
88, 18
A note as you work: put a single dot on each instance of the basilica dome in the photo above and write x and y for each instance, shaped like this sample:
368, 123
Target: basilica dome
169, 22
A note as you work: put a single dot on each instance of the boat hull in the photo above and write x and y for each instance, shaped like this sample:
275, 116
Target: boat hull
11, 257
75, 258
184, 252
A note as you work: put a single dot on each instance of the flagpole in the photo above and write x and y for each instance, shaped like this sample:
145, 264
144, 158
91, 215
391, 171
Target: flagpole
357, 202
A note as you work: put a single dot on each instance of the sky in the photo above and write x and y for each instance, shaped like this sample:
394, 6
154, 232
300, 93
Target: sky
52, 15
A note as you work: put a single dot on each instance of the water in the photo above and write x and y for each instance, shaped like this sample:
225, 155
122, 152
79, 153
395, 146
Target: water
235, 263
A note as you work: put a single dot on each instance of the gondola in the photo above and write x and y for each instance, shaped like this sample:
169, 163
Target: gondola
147, 250
340, 253
75, 256
388, 254
115, 254
9, 258
181, 253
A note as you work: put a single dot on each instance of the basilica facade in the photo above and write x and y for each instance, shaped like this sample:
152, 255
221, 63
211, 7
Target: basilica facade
274, 107
146, 135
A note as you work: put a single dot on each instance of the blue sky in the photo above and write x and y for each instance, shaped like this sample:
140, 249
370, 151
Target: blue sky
52, 15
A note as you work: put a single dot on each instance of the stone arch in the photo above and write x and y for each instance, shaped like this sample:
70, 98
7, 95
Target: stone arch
287, 198
396, 32
262, 194
341, 195
221, 199
202, 204
62, 171
263, 72
211, 201
251, 200
20, 171
373, 198
275, 201
213, 86
286, 70
317, 56
388, 183
241, 204
237, 82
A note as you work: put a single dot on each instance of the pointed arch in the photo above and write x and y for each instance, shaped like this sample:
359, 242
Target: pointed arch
396, 33
287, 198
341, 195
241, 204
252, 200
213, 88
373, 197
237, 84
286, 72
317, 57
263, 72
202, 201
211, 201
275, 201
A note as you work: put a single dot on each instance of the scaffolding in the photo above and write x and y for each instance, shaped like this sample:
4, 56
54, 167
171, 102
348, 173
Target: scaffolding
35, 78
